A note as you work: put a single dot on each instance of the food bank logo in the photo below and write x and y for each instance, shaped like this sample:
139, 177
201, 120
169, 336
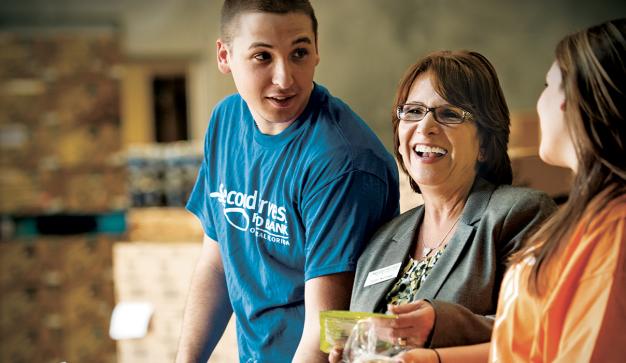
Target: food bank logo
269, 221
236, 216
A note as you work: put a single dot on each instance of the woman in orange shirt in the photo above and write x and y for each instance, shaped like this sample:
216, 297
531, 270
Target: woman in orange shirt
563, 298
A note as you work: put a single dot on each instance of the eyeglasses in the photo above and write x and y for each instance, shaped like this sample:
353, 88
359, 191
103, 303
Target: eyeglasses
445, 114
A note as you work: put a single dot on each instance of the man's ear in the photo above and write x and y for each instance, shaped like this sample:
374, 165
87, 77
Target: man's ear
222, 56
317, 53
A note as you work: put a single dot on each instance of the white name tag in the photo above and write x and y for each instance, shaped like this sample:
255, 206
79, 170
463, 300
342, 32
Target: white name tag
382, 274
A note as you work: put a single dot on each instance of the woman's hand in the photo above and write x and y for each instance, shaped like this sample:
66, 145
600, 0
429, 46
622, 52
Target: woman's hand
335, 355
412, 327
418, 355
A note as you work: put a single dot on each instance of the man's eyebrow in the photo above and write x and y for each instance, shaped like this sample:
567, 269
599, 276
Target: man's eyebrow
306, 40
259, 44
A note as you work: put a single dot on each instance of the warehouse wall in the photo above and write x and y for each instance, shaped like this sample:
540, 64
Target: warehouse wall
365, 45
363, 59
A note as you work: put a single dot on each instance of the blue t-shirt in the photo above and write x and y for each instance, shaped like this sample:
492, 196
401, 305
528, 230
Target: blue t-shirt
287, 208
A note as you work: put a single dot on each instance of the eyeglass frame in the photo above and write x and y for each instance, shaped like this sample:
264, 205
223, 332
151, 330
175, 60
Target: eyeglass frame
465, 115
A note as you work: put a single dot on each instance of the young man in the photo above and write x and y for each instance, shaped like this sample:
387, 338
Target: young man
292, 186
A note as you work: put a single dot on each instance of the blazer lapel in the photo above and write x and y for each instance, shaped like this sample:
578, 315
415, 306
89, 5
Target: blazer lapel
439, 274
477, 202
398, 251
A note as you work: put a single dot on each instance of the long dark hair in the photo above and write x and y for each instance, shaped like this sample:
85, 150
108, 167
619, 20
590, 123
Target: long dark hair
593, 68
466, 79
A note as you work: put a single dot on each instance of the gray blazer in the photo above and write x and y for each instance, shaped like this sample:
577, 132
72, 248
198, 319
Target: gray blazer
463, 285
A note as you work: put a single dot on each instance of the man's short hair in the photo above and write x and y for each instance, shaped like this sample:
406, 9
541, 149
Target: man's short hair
233, 8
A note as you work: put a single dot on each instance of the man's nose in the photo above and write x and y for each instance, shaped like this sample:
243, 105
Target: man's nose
283, 76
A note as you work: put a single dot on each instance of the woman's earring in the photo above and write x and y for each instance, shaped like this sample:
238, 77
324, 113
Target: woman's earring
481, 156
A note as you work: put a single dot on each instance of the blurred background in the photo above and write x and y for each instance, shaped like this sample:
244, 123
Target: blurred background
103, 108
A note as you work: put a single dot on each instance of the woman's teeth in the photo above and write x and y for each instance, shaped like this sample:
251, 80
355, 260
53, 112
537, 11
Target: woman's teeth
429, 151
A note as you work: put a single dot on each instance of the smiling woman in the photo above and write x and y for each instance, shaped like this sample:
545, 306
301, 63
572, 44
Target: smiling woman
435, 153
451, 127
467, 84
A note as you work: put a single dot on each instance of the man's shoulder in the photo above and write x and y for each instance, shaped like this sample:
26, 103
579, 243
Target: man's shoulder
336, 112
232, 102
342, 133
228, 108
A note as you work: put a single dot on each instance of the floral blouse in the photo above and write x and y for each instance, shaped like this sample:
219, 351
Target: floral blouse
409, 283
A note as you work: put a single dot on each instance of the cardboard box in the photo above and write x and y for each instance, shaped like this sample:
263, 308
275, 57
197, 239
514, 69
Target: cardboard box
56, 300
163, 225
60, 116
532, 172
160, 273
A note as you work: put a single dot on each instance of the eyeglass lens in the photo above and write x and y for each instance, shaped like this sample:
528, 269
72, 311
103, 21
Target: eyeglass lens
444, 114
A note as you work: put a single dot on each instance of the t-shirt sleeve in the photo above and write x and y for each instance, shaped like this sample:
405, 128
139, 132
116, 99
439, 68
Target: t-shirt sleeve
340, 218
198, 203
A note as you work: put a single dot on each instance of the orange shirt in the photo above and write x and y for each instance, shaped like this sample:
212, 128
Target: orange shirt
581, 316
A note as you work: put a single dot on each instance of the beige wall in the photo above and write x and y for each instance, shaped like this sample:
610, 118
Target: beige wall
365, 45
137, 127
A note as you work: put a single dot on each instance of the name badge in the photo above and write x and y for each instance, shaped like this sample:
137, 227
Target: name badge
382, 274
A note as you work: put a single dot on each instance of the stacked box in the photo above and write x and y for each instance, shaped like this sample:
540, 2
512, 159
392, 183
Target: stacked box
524, 136
528, 169
156, 272
163, 175
532, 172
56, 297
160, 273
163, 225
60, 137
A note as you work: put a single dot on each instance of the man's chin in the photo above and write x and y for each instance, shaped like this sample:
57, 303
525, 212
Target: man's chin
282, 118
